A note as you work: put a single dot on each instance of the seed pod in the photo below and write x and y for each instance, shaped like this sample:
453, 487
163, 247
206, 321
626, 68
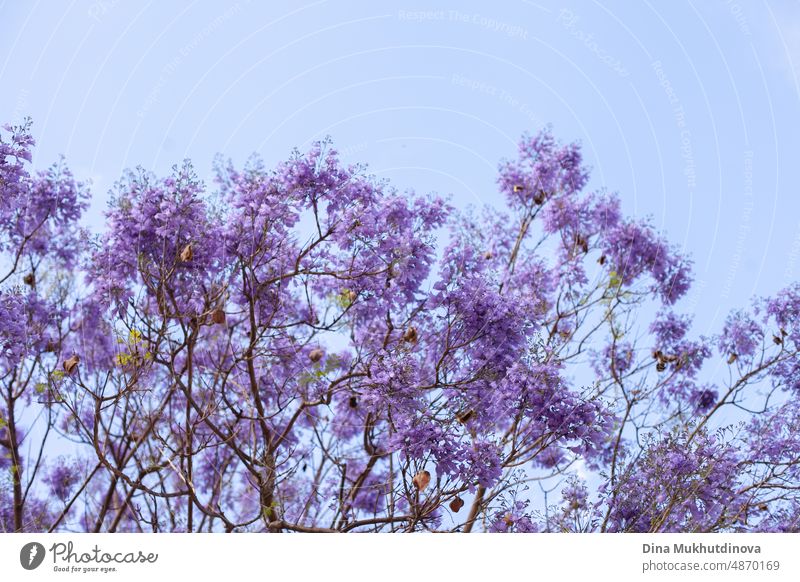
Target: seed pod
658, 355
315, 355
518, 188
777, 340
187, 254
29, 279
582, 243
540, 197
464, 416
732, 359
661, 366
71, 364
421, 480
51, 346
410, 335
488, 255
456, 504
218, 316
602, 260
353, 402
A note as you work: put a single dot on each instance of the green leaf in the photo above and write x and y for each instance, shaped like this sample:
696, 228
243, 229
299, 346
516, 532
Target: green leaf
343, 299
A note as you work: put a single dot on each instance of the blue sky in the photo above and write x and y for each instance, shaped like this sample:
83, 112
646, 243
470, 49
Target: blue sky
688, 109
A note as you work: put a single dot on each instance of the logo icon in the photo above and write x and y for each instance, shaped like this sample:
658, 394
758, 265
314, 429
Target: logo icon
31, 555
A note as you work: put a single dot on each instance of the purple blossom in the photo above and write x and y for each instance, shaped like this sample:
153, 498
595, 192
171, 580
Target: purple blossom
62, 479
310, 348
741, 335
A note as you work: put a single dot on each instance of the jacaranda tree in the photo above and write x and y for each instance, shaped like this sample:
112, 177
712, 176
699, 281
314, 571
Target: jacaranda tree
307, 349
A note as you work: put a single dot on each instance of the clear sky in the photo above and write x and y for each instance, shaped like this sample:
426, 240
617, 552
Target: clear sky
689, 110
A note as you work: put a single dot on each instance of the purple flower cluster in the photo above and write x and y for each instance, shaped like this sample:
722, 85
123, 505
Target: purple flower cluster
305, 348
62, 478
545, 169
634, 249
513, 518
740, 336
678, 484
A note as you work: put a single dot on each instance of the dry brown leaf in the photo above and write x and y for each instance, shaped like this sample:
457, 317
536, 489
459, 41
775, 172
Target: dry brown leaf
187, 254
421, 480
71, 364
456, 504
218, 316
